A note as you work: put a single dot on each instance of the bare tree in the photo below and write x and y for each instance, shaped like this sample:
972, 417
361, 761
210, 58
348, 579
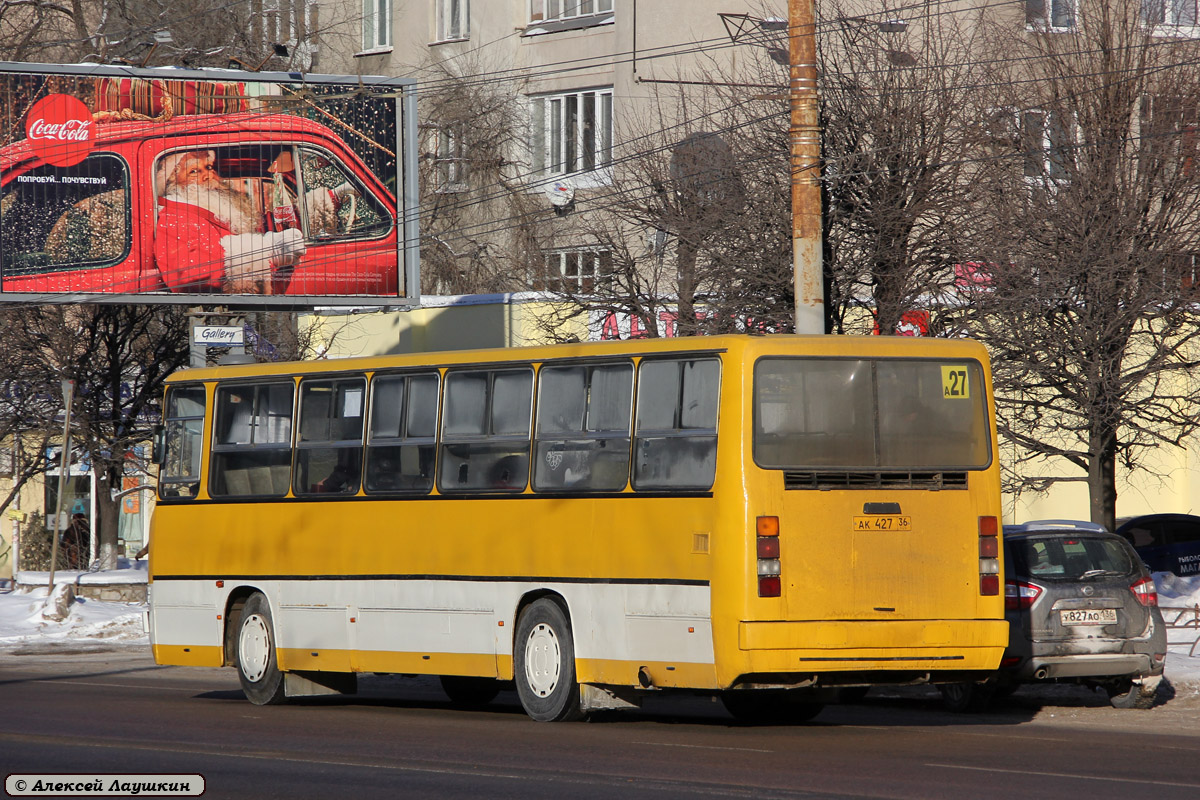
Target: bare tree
209, 33
1090, 246
896, 105
29, 402
694, 228
477, 218
119, 356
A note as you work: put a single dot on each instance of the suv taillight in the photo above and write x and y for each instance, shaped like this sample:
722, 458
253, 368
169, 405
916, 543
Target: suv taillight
1145, 591
1019, 595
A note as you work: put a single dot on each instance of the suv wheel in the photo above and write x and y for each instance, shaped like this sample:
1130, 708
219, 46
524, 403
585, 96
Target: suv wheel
1128, 693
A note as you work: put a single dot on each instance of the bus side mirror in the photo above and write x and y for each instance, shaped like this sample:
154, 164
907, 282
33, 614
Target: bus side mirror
158, 449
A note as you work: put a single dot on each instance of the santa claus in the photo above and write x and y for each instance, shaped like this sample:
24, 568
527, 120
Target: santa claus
208, 237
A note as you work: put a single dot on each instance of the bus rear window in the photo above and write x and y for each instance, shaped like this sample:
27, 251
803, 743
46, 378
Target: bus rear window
899, 414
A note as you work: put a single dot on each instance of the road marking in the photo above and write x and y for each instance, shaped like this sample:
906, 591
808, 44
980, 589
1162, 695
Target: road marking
465, 770
1139, 781
705, 747
61, 681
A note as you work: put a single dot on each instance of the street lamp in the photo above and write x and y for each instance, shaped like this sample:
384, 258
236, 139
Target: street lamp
64, 468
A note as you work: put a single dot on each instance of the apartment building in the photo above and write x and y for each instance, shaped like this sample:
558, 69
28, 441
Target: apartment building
534, 116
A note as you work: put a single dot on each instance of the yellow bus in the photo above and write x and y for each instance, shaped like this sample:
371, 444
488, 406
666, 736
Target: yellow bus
761, 518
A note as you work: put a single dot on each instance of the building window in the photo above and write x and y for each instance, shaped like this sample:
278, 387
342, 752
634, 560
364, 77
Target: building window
1171, 13
453, 20
377, 24
292, 23
1055, 15
450, 165
1172, 125
1048, 143
546, 10
572, 132
1181, 274
576, 271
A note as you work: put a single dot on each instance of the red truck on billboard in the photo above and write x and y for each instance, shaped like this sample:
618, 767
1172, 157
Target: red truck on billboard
166, 189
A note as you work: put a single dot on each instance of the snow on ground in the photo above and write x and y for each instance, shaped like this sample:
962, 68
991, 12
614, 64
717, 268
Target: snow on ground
1179, 599
23, 620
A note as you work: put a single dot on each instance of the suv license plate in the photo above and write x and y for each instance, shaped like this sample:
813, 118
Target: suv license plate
1088, 616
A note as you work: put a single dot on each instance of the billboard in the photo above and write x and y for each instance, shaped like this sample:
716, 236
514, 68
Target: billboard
226, 187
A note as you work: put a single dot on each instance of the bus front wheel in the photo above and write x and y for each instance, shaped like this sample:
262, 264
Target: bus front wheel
257, 670
544, 664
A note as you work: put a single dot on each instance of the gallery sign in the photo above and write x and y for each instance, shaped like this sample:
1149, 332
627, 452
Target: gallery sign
187, 186
219, 335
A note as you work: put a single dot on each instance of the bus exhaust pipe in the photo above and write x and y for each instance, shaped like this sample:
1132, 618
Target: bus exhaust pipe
644, 679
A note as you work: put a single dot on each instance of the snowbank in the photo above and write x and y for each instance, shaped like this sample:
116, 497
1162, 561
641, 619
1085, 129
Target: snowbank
23, 620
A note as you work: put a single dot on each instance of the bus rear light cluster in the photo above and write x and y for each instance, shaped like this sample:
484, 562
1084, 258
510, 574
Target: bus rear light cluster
989, 556
766, 548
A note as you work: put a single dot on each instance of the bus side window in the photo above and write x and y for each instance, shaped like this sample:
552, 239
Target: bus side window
583, 428
329, 447
485, 431
676, 440
179, 477
400, 447
252, 449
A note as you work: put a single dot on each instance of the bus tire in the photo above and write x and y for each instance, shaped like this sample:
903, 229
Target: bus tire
770, 706
258, 671
544, 664
469, 691
966, 697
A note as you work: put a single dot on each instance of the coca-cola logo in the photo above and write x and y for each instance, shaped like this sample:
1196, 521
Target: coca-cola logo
59, 128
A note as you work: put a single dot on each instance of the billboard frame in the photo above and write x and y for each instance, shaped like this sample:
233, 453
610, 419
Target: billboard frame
406, 180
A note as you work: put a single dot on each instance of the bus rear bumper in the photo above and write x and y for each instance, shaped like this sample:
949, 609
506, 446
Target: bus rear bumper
876, 644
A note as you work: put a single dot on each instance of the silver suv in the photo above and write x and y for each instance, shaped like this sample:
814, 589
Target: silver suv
1082, 608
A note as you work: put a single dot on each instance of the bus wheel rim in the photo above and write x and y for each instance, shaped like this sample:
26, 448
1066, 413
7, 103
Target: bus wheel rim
254, 648
543, 660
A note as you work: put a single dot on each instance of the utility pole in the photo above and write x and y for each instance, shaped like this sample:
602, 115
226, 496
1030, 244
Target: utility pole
805, 134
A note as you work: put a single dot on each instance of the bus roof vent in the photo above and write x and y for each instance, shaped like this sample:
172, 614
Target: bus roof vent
839, 479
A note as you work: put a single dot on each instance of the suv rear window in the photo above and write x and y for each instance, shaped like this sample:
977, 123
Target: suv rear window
1069, 557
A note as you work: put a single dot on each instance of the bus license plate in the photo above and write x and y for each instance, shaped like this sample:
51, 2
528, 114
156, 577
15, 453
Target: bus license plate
883, 522
1088, 616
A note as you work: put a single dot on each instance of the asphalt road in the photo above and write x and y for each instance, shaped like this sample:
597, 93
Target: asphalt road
97, 711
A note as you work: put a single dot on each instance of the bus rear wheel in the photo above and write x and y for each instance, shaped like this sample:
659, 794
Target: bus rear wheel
258, 671
544, 664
